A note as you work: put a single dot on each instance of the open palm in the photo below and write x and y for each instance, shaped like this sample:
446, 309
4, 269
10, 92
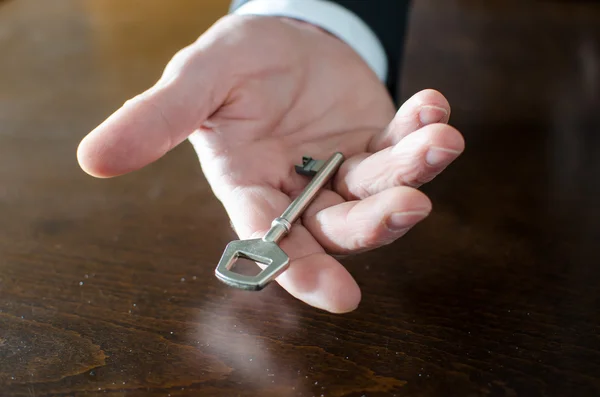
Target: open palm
254, 95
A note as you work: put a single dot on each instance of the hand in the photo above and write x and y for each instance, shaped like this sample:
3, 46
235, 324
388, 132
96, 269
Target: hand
255, 94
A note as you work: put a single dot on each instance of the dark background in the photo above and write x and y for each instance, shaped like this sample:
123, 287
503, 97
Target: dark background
107, 286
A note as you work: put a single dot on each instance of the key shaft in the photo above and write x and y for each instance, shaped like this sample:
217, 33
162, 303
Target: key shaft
282, 225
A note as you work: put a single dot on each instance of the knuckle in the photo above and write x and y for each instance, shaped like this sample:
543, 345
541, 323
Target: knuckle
374, 238
180, 59
361, 243
412, 176
425, 177
361, 190
180, 55
410, 180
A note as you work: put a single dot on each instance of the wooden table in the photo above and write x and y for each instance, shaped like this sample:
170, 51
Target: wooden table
107, 286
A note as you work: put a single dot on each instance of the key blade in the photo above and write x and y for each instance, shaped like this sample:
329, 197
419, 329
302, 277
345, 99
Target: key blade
258, 250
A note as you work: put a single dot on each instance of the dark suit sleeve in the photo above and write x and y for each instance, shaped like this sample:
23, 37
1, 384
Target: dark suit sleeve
387, 19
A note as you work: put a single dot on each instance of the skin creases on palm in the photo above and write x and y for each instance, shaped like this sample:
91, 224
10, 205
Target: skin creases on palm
264, 130
239, 162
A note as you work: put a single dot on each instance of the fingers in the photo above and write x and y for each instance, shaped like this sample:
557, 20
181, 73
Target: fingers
321, 281
424, 108
413, 161
361, 225
313, 276
152, 123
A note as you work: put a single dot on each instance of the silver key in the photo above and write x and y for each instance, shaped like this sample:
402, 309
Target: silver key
266, 250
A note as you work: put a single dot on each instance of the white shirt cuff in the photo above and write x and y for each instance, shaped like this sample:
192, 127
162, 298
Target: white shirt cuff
331, 17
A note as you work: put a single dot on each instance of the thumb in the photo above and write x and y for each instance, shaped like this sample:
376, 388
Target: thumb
149, 125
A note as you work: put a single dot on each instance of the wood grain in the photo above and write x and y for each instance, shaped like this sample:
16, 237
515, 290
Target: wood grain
107, 286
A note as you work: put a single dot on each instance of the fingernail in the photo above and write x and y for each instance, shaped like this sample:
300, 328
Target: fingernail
401, 221
439, 156
432, 114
